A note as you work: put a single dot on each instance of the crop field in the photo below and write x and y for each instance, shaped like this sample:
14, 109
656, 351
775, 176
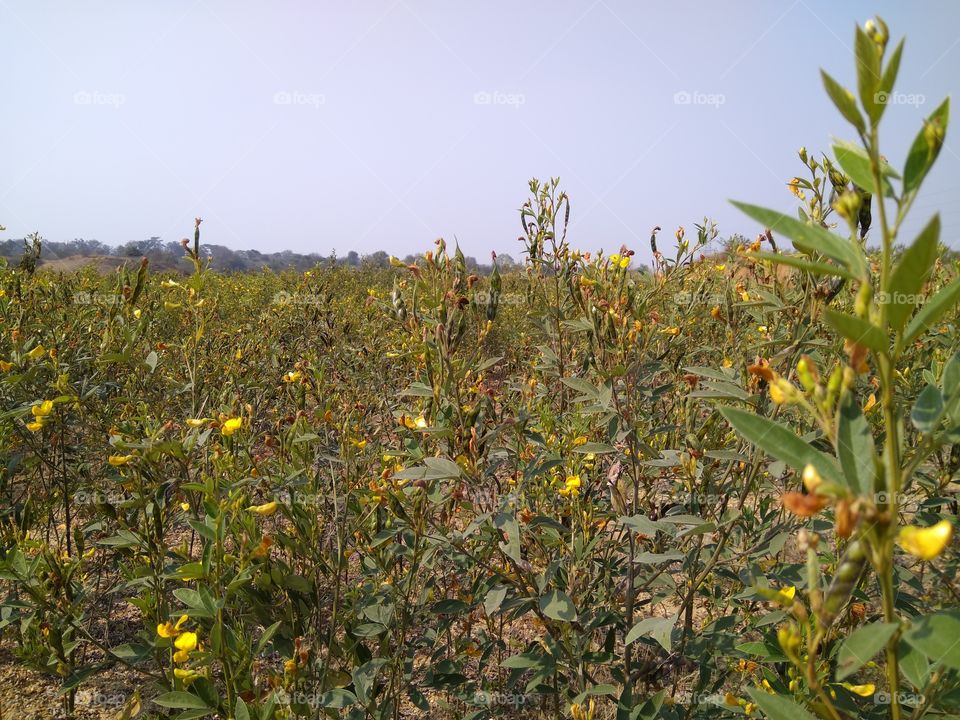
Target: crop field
718, 486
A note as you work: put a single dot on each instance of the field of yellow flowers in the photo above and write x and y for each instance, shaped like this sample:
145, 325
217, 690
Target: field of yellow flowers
717, 487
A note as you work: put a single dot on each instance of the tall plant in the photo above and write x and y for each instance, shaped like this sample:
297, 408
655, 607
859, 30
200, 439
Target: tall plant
865, 486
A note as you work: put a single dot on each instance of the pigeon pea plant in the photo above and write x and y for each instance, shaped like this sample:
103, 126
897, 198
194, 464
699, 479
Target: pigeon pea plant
869, 492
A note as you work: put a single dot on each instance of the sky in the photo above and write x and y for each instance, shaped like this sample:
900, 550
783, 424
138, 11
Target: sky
384, 125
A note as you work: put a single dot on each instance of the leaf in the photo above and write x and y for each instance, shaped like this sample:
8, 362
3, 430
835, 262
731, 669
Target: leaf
857, 329
781, 442
910, 275
856, 163
811, 266
855, 448
889, 77
778, 707
932, 311
337, 698
844, 100
868, 74
494, 599
809, 238
928, 409
921, 156
936, 637
181, 700
557, 604
507, 524
364, 676
860, 646
660, 629
241, 712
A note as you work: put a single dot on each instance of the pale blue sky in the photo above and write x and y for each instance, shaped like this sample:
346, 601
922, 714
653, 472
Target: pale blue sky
383, 125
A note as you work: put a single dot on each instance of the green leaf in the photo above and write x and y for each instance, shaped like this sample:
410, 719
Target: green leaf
778, 707
809, 238
922, 155
506, 522
928, 409
856, 164
781, 442
936, 637
933, 310
868, 74
337, 698
557, 604
889, 77
181, 700
364, 676
241, 712
494, 599
857, 329
844, 100
860, 646
910, 275
660, 629
855, 447
811, 266
913, 664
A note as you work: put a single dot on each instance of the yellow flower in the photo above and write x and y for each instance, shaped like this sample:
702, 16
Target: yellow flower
35, 426
421, 422
715, 312
42, 409
871, 403
231, 426
186, 642
137, 313
761, 328
181, 656
673, 330
6, 366
197, 422
169, 630
264, 510
720, 268
36, 353
811, 478
185, 506
118, 460
290, 666
359, 444
579, 440
727, 362
571, 486
925, 543
785, 595
292, 376
861, 690
782, 391
185, 675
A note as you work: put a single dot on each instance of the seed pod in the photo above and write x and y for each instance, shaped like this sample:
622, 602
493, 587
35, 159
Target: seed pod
844, 582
